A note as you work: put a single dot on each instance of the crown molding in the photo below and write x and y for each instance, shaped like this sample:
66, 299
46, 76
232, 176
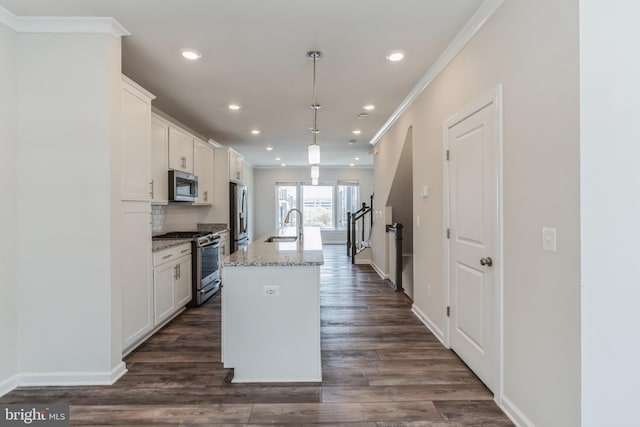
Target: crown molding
62, 25
486, 10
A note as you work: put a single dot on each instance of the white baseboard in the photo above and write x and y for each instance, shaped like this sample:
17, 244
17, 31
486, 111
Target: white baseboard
9, 384
429, 324
515, 414
379, 271
72, 378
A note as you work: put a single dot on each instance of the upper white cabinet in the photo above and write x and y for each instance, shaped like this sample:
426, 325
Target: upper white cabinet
180, 150
135, 142
236, 163
203, 169
159, 160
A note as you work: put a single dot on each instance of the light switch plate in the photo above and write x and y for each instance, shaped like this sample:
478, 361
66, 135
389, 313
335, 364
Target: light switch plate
549, 237
424, 191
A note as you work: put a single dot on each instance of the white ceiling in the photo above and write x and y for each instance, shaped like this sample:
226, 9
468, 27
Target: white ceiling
254, 54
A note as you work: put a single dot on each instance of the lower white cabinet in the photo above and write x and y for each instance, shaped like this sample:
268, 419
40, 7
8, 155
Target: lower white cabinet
137, 286
171, 281
182, 288
225, 245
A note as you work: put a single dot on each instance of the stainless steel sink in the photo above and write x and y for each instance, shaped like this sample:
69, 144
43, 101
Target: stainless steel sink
276, 239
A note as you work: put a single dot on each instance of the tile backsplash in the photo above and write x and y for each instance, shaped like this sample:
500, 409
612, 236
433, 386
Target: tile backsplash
157, 219
181, 217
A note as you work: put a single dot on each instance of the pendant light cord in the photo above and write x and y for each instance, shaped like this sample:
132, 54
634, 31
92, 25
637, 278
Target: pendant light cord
315, 106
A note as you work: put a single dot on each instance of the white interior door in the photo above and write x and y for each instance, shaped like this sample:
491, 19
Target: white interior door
473, 243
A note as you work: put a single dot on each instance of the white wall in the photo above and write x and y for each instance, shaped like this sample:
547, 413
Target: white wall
67, 122
531, 48
8, 210
610, 204
265, 199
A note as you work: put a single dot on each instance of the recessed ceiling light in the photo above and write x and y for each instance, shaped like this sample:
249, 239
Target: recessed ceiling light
191, 54
278, 158
283, 165
255, 131
352, 141
269, 148
357, 132
351, 164
234, 107
356, 158
369, 107
395, 56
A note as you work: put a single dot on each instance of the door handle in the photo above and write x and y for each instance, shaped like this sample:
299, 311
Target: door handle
486, 261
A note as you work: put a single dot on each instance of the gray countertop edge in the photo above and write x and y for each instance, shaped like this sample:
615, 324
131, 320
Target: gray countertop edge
160, 244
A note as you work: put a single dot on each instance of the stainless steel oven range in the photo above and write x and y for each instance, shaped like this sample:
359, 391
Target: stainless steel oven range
205, 277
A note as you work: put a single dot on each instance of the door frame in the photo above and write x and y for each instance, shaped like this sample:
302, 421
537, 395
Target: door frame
493, 96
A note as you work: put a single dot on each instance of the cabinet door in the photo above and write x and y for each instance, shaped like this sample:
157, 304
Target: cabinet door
159, 161
180, 150
182, 287
233, 166
239, 165
137, 285
135, 145
164, 277
176, 158
203, 169
187, 152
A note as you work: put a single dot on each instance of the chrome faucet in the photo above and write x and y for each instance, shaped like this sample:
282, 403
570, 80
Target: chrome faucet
287, 220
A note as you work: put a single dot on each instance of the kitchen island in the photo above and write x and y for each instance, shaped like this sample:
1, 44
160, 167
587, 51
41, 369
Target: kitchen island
271, 309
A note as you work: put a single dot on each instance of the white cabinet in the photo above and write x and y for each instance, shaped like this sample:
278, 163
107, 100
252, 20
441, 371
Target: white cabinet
203, 169
159, 160
137, 285
236, 163
135, 142
171, 281
225, 246
182, 288
180, 150
163, 300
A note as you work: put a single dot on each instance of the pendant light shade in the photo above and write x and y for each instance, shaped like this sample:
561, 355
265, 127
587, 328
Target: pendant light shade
314, 154
314, 181
315, 172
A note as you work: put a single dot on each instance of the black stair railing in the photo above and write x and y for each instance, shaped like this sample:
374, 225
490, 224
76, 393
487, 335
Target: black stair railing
396, 228
356, 232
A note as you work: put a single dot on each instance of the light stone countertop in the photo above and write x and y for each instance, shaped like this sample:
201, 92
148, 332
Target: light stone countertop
160, 244
260, 253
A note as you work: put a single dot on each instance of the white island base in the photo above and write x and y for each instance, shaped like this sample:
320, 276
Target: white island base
271, 312
271, 323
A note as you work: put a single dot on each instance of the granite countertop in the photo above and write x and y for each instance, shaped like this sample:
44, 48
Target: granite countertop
213, 227
261, 253
159, 244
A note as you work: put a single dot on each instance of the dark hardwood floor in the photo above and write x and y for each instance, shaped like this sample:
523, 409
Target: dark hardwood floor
381, 367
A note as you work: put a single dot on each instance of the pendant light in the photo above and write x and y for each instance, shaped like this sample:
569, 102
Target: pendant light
315, 171
314, 149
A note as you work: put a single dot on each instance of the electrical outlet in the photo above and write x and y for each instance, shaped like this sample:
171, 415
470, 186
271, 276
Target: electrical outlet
271, 291
549, 237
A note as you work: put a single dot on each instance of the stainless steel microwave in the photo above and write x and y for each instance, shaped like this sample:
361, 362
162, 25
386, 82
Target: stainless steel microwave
183, 187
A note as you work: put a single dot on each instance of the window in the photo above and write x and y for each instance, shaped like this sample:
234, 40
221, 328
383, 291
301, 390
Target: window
317, 205
348, 197
286, 198
323, 206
